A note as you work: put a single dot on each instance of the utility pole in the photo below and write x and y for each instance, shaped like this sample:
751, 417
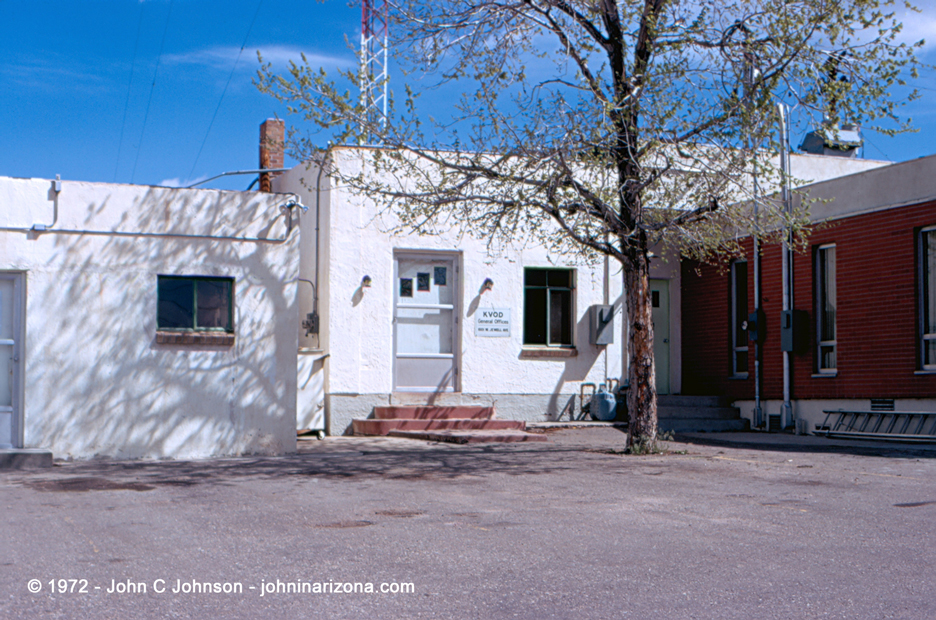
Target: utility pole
751, 76
786, 265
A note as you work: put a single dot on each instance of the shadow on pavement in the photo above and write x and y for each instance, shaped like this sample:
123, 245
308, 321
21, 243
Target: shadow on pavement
782, 442
349, 462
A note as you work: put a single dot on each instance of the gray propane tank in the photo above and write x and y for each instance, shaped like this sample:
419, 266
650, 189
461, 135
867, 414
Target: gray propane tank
603, 405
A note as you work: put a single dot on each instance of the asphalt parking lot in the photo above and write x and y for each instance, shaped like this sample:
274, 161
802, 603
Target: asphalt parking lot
725, 526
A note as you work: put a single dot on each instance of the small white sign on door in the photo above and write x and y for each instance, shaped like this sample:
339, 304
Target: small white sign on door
492, 322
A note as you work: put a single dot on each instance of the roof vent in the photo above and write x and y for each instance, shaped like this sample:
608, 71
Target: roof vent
834, 141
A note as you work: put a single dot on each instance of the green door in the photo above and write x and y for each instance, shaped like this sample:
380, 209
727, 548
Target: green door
659, 298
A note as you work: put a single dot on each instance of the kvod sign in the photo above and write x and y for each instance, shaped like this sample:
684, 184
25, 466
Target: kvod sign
492, 322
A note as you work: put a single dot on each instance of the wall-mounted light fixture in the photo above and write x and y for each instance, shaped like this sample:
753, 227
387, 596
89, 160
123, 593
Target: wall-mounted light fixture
487, 285
366, 281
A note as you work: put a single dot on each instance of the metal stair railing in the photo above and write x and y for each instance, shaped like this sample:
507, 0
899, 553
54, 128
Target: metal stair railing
912, 426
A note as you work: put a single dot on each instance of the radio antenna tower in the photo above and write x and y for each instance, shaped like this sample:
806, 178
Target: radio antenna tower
374, 77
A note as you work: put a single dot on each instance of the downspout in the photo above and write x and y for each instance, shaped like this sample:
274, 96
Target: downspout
318, 213
759, 419
786, 265
312, 323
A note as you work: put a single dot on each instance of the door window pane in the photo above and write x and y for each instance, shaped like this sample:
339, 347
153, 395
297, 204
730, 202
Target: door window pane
6, 375
423, 331
6, 309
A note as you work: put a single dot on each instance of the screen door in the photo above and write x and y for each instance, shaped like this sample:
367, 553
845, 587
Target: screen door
424, 321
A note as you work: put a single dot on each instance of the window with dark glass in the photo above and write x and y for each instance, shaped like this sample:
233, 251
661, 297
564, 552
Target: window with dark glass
547, 306
825, 307
739, 308
194, 303
928, 297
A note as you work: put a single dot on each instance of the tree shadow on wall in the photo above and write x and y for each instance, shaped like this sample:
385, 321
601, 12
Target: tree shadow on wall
99, 382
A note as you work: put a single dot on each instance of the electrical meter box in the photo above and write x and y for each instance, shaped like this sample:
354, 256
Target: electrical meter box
601, 322
794, 331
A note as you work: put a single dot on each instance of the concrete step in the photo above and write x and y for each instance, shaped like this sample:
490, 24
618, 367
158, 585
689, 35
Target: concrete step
679, 400
25, 458
426, 412
383, 427
701, 425
684, 413
457, 436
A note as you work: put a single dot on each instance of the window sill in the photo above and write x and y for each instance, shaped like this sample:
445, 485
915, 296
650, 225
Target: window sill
824, 375
217, 339
547, 352
925, 372
743, 377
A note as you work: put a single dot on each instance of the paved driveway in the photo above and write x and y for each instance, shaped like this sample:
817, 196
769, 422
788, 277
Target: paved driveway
564, 529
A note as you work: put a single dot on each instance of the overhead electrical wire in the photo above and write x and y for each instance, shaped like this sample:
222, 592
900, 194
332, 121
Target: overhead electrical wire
152, 88
223, 92
123, 123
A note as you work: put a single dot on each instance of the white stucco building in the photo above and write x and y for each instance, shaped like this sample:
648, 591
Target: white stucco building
146, 322
402, 316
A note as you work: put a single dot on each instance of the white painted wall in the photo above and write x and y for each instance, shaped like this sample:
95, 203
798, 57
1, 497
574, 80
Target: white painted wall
313, 191
96, 383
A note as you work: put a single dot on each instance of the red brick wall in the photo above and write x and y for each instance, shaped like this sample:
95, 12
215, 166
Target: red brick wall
876, 323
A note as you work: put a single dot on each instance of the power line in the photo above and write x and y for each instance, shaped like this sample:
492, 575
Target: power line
234, 68
123, 123
152, 88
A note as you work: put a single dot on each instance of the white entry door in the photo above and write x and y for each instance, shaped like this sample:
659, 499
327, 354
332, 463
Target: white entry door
11, 291
424, 323
659, 299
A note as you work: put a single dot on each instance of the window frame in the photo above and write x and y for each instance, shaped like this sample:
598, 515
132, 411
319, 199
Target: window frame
572, 313
736, 320
195, 328
926, 297
822, 294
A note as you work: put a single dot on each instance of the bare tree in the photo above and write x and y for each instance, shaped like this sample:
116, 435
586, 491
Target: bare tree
606, 127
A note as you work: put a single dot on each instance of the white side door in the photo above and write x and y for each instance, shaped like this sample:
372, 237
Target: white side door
659, 300
11, 355
425, 300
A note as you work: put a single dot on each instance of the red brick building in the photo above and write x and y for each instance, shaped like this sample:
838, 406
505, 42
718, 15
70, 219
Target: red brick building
866, 289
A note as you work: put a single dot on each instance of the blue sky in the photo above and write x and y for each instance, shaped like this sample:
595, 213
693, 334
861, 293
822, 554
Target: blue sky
69, 105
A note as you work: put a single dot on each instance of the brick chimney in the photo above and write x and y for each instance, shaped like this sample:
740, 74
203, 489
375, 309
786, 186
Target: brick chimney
272, 134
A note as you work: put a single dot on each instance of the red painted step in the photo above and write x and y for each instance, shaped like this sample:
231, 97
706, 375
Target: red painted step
457, 436
382, 427
424, 412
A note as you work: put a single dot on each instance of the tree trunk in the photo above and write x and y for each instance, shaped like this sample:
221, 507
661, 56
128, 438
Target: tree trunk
641, 394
